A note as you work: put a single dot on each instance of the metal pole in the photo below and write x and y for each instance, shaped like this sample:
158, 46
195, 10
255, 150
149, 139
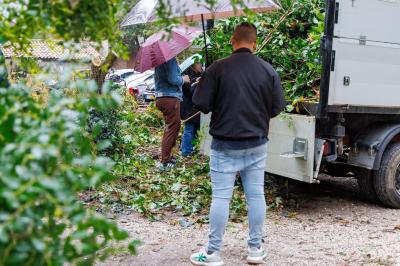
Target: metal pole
205, 40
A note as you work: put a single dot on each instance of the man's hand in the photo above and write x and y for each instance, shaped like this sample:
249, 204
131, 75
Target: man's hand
186, 79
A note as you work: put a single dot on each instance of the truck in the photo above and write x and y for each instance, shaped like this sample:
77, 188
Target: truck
354, 129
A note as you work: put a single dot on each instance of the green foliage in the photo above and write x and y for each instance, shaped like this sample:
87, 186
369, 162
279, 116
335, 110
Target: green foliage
131, 34
71, 20
3, 72
141, 185
147, 190
49, 148
289, 39
47, 154
168, 14
47, 157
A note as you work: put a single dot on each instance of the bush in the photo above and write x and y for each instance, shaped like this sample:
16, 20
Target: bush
289, 39
47, 156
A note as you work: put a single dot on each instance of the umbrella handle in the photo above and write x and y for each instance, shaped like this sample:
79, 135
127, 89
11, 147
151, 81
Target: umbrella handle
205, 40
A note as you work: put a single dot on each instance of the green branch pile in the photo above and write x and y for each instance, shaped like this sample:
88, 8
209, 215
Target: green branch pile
288, 38
141, 186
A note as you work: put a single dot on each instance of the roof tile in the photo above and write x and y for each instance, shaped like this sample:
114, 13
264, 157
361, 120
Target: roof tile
50, 50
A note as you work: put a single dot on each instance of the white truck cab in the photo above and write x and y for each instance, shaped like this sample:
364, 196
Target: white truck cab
355, 127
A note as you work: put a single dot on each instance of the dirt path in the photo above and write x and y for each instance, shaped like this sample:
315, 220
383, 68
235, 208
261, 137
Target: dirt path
331, 226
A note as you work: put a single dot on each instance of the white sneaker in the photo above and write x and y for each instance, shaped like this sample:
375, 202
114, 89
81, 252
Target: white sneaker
256, 255
203, 259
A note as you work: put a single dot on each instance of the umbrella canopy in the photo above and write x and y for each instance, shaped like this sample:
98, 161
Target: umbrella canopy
191, 10
161, 47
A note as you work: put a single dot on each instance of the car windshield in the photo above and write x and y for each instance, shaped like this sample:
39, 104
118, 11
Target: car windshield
127, 74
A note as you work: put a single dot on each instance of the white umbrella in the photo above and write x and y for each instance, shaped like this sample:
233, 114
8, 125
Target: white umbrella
194, 10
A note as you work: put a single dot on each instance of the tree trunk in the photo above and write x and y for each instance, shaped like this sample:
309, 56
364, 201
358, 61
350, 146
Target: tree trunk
3, 72
100, 68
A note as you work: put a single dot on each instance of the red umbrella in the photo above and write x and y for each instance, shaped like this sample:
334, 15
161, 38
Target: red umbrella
162, 47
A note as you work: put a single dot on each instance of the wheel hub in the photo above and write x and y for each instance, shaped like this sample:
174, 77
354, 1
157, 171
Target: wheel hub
397, 179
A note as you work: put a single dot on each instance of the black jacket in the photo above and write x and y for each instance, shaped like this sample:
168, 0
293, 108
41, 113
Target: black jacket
187, 106
243, 92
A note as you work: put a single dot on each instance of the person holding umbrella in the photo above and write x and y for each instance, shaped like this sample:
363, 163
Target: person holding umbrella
159, 52
243, 92
168, 90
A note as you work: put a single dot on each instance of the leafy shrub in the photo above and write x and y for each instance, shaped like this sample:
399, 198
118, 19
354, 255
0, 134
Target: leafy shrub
47, 156
288, 38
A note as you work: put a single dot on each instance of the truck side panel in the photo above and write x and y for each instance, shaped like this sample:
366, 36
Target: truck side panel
291, 146
376, 20
365, 54
365, 74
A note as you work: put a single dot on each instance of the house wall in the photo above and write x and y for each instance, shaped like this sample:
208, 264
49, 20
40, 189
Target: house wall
58, 67
119, 63
53, 68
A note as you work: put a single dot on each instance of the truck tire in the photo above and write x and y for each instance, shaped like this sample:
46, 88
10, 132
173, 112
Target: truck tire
387, 178
365, 180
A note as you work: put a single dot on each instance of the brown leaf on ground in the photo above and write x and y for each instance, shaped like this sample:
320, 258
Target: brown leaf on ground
174, 222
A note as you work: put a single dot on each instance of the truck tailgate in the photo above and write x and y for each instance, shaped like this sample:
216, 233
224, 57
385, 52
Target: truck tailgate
284, 158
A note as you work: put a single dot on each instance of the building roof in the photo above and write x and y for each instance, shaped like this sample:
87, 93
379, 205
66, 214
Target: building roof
51, 50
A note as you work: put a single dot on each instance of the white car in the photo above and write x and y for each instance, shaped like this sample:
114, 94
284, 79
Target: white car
120, 76
137, 84
147, 87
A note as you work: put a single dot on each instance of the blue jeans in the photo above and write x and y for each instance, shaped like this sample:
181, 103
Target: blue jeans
224, 165
189, 135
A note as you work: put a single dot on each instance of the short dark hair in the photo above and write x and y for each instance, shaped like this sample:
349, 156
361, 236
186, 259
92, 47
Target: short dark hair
245, 32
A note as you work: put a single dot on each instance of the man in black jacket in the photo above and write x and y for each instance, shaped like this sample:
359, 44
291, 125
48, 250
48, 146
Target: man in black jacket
189, 113
243, 92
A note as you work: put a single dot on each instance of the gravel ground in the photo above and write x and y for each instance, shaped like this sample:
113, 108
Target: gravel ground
331, 226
